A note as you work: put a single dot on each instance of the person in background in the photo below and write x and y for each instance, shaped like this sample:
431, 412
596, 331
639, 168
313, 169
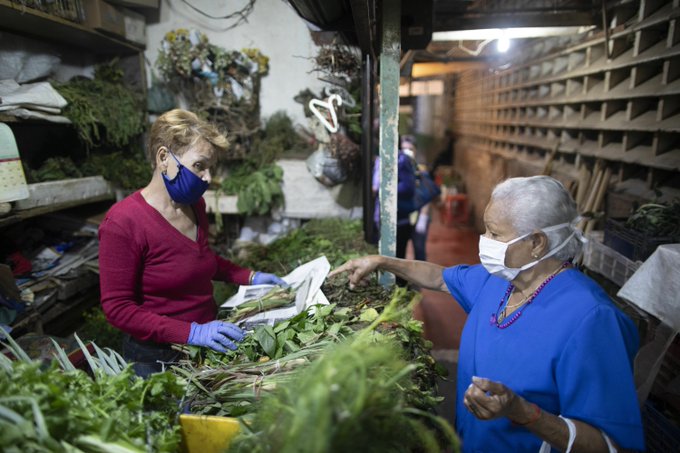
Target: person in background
405, 189
546, 358
156, 267
446, 155
420, 220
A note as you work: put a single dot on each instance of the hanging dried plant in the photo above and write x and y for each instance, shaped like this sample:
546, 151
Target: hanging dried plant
218, 84
339, 61
347, 152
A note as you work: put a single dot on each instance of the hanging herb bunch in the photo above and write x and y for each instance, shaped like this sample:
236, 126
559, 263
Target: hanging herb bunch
339, 61
258, 188
216, 83
340, 66
126, 170
257, 180
104, 110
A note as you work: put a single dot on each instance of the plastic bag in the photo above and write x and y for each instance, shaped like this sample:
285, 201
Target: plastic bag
325, 168
159, 98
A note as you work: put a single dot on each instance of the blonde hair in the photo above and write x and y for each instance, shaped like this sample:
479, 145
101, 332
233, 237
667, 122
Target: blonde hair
179, 130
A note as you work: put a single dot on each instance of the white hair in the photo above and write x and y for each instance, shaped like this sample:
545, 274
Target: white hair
537, 202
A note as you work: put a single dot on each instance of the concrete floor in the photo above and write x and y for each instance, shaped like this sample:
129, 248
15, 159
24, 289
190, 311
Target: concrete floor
443, 318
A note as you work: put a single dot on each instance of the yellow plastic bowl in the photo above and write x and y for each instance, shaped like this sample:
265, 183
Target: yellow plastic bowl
206, 433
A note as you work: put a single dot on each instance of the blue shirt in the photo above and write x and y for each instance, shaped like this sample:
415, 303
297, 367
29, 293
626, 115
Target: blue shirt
406, 185
570, 352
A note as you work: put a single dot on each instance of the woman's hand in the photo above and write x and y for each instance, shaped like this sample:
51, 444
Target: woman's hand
359, 269
262, 278
487, 400
421, 273
217, 335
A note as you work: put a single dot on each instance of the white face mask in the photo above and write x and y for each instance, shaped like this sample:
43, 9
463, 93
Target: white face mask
492, 254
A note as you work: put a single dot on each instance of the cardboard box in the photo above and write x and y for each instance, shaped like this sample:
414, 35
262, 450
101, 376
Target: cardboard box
135, 26
103, 16
137, 3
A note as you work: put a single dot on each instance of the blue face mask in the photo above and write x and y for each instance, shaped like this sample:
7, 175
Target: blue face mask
185, 187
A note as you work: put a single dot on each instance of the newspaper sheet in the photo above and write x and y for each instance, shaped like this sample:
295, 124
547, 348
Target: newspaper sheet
306, 280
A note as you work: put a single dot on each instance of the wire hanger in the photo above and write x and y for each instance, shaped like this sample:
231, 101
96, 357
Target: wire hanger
333, 126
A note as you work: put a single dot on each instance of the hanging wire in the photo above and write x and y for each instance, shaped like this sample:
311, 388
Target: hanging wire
241, 15
473, 52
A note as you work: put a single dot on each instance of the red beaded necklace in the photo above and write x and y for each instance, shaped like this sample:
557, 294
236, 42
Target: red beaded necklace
506, 298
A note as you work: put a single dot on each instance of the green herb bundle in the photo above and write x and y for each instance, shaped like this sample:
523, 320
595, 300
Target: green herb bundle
53, 169
63, 409
273, 343
125, 171
258, 190
373, 392
351, 399
229, 384
98, 329
276, 298
657, 220
279, 137
104, 110
338, 239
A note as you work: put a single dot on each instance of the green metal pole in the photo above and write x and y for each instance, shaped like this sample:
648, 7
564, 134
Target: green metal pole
390, 53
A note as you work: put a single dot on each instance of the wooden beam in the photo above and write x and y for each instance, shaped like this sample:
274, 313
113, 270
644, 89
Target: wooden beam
435, 69
512, 20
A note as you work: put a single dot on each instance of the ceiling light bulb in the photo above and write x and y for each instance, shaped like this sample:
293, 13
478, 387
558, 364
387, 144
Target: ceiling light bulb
503, 44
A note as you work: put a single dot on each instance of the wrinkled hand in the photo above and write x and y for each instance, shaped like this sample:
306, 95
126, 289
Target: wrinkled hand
487, 400
261, 278
359, 269
216, 335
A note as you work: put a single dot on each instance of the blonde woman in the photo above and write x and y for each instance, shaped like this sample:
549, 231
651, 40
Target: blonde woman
156, 267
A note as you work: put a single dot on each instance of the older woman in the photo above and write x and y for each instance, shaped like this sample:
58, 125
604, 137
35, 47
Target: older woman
155, 263
545, 357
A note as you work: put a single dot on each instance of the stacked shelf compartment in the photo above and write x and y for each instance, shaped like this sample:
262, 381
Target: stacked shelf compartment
613, 96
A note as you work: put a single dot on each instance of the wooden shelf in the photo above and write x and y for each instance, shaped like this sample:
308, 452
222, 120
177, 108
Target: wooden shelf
651, 88
658, 17
640, 155
6, 118
661, 16
622, 107
643, 123
18, 216
656, 53
31, 22
58, 195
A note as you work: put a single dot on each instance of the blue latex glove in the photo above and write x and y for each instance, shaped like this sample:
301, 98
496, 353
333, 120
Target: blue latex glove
215, 335
260, 278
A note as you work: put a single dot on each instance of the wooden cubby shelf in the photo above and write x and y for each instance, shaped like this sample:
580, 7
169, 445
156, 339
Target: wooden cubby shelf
615, 98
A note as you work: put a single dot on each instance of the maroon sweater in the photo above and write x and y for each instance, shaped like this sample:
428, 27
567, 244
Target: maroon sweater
154, 280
